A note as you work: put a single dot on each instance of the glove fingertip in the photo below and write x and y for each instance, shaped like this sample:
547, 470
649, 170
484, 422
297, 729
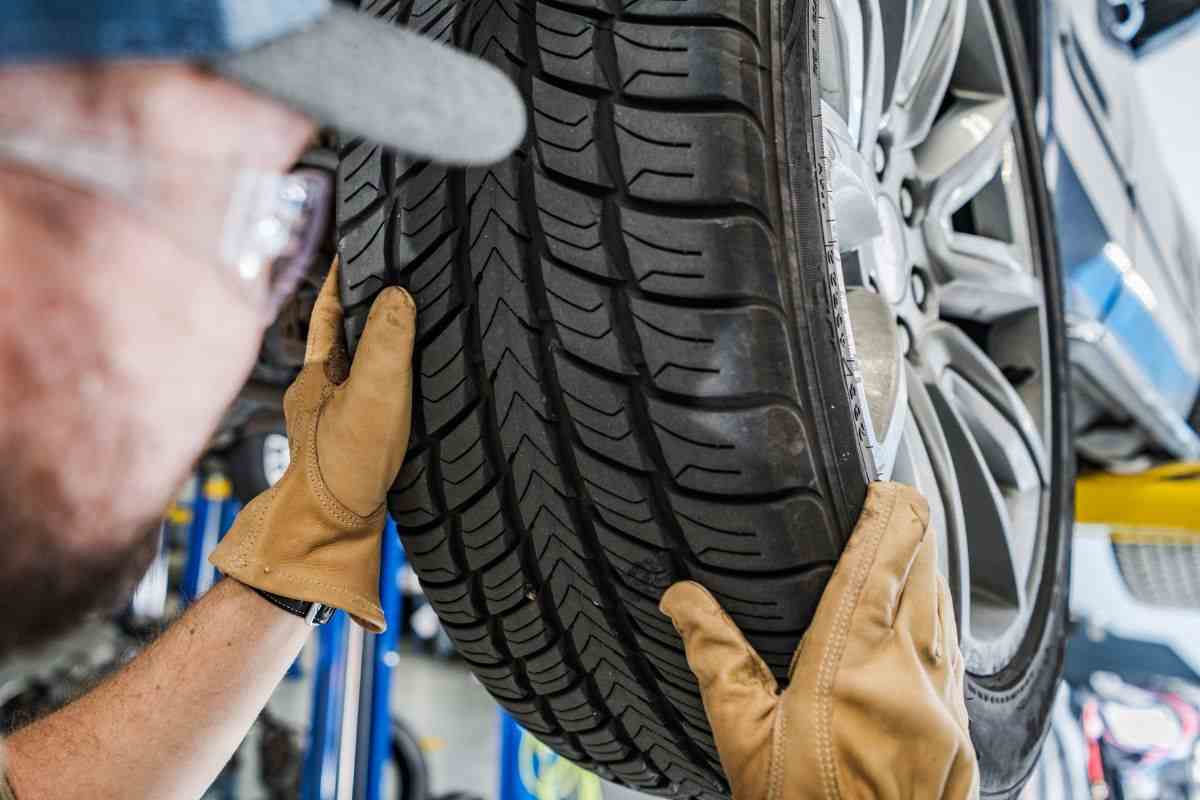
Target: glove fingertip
683, 599
393, 318
395, 299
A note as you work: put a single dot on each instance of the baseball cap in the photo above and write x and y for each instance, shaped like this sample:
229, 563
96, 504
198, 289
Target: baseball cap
340, 67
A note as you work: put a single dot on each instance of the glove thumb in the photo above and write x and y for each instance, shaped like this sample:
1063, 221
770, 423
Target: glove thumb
740, 694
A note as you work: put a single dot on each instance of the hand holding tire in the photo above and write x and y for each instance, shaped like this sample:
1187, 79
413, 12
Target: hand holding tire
875, 704
314, 536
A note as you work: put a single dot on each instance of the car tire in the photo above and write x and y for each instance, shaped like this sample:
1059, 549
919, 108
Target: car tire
258, 458
632, 368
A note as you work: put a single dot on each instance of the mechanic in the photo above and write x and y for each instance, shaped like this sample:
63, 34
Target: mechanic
129, 133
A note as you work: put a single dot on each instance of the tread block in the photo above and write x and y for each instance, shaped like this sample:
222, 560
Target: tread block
768, 604
423, 209
525, 630
646, 568
584, 318
364, 252
571, 225
411, 499
567, 46
636, 772
431, 549
509, 344
389, 10
502, 682
452, 603
483, 530
606, 748
648, 620
621, 500
702, 259
474, 643
492, 29
496, 263
554, 540
434, 18
464, 464
492, 190
758, 450
743, 14
361, 178
709, 158
660, 62
444, 388
745, 537
565, 129
600, 411
523, 426
504, 584
716, 352
432, 286
574, 711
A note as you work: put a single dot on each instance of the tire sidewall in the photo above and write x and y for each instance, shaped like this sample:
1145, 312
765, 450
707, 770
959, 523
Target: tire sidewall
1010, 711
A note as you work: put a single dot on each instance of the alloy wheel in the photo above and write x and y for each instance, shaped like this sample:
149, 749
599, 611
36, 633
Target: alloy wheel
947, 300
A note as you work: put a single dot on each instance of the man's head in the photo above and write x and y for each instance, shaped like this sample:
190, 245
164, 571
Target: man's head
121, 342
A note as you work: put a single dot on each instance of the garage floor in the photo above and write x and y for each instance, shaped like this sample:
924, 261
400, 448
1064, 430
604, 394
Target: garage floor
455, 718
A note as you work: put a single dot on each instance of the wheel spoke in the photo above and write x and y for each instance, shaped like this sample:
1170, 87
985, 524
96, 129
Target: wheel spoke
874, 75
843, 61
924, 460
989, 532
931, 47
984, 277
850, 184
946, 347
987, 279
999, 460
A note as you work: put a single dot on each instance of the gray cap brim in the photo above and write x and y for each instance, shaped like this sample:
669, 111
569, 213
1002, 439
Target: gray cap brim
392, 86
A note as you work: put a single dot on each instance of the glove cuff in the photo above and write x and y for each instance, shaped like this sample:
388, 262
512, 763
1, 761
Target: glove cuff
282, 543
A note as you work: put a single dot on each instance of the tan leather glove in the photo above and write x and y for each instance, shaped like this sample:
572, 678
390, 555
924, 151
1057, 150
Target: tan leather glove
315, 535
874, 708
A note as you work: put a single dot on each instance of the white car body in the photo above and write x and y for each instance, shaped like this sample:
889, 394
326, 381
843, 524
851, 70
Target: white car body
1123, 153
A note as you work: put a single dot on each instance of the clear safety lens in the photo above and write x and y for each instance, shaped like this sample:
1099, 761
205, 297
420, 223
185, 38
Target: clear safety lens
260, 229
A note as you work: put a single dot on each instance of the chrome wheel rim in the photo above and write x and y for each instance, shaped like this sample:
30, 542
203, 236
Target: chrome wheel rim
946, 299
276, 456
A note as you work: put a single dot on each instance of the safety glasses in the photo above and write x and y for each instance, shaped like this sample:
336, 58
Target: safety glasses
258, 229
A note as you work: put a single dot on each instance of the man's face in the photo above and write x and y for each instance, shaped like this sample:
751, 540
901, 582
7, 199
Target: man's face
120, 347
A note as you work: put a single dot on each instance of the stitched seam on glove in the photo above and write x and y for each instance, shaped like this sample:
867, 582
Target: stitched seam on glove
285, 574
779, 738
241, 557
832, 657
328, 502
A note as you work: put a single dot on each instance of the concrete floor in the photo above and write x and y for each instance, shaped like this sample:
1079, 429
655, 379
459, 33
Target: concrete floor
455, 719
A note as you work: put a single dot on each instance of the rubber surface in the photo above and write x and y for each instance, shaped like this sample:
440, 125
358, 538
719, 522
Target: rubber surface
631, 369
628, 370
245, 459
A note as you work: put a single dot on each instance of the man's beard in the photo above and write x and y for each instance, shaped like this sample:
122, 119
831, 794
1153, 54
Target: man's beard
49, 591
